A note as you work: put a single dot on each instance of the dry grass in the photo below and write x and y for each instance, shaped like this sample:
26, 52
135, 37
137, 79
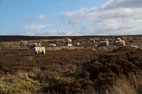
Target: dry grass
121, 86
130, 85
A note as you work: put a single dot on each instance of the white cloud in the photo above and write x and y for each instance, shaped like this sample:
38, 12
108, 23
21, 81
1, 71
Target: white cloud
53, 32
73, 22
123, 4
38, 30
36, 27
114, 17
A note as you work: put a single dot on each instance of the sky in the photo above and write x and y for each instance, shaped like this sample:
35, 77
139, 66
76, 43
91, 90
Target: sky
70, 17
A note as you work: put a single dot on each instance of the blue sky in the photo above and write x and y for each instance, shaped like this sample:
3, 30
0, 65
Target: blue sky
70, 17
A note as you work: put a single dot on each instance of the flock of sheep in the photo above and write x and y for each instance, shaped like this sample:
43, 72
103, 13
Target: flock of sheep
37, 48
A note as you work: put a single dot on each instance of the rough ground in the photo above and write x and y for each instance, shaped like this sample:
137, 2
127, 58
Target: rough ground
71, 69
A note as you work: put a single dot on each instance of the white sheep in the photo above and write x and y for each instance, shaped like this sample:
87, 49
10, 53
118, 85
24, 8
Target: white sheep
38, 44
105, 39
32, 45
133, 46
68, 41
92, 41
38, 50
103, 43
69, 44
23, 43
118, 39
77, 44
120, 43
51, 45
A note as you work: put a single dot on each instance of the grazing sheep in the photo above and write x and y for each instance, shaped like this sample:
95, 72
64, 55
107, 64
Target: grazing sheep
51, 45
38, 50
133, 46
103, 43
26, 41
77, 44
68, 41
23, 43
92, 41
32, 45
118, 39
69, 44
38, 44
105, 39
120, 43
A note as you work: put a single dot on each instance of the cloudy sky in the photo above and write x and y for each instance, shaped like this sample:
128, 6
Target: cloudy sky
70, 17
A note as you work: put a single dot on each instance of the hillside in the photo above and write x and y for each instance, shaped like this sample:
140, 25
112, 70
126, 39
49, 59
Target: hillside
70, 70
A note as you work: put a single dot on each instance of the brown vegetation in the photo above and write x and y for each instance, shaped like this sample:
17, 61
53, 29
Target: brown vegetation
81, 70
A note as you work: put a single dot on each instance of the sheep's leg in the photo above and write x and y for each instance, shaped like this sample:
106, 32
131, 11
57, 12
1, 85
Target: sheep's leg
43, 52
